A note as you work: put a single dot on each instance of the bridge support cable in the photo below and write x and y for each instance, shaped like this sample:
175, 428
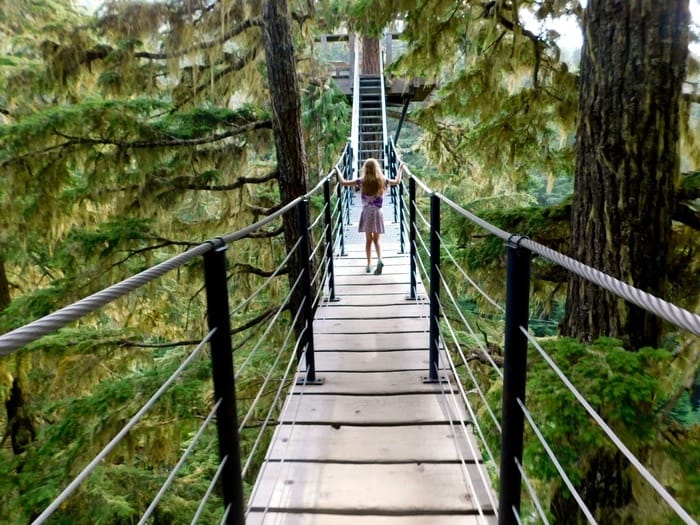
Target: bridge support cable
178, 465
224, 382
283, 382
73, 485
680, 511
207, 494
453, 401
533, 495
514, 377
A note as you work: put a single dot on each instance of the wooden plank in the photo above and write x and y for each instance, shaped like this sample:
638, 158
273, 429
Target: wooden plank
395, 444
394, 325
372, 342
370, 310
294, 518
371, 410
360, 277
375, 383
359, 299
332, 361
377, 287
419, 488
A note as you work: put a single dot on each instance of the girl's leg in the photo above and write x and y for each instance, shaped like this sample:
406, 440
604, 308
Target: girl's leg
378, 247
368, 249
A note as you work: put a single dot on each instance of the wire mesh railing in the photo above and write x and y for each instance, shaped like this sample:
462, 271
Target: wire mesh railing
507, 367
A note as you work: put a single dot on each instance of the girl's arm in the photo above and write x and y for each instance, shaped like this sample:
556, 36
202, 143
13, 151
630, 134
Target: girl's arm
399, 172
342, 181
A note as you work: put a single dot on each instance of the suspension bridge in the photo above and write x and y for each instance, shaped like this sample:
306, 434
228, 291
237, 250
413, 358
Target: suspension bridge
382, 419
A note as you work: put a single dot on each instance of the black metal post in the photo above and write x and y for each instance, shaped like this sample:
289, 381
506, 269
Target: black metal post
434, 286
307, 314
514, 376
329, 239
341, 224
223, 377
402, 232
412, 235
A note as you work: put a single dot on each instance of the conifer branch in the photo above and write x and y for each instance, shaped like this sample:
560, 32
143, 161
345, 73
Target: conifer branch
267, 234
239, 182
249, 268
101, 52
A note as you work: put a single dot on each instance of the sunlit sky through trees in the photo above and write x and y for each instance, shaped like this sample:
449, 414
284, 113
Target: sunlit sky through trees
570, 35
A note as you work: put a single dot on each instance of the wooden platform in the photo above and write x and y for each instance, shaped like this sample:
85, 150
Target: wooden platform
374, 444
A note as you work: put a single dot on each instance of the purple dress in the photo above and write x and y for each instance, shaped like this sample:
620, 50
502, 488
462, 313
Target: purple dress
371, 218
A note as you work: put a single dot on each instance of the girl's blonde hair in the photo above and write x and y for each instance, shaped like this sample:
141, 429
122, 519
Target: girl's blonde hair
373, 180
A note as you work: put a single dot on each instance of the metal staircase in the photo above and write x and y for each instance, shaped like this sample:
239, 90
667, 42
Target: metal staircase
371, 130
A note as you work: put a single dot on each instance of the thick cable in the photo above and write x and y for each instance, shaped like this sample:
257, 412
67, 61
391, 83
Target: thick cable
50, 323
123, 432
185, 455
667, 311
555, 462
680, 511
207, 493
471, 281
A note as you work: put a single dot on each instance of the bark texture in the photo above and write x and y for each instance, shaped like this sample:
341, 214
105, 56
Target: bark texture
4, 286
370, 56
627, 164
286, 122
20, 427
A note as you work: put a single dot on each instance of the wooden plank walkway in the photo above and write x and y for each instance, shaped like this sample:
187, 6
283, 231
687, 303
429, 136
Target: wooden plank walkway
373, 445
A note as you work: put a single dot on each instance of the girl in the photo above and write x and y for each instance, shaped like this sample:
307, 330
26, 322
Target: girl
372, 184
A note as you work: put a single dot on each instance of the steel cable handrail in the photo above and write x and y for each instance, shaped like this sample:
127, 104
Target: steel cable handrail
680, 511
178, 465
120, 435
30, 332
673, 314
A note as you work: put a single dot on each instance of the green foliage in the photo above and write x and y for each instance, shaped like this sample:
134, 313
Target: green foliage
630, 392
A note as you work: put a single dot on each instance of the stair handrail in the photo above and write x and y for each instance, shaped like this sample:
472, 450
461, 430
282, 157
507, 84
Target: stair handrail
355, 129
382, 98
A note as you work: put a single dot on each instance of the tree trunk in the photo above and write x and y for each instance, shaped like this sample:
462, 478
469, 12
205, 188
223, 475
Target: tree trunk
370, 56
286, 123
606, 489
19, 425
4, 286
627, 162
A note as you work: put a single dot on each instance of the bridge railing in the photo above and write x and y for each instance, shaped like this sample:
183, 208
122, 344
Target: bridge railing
320, 222
423, 211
